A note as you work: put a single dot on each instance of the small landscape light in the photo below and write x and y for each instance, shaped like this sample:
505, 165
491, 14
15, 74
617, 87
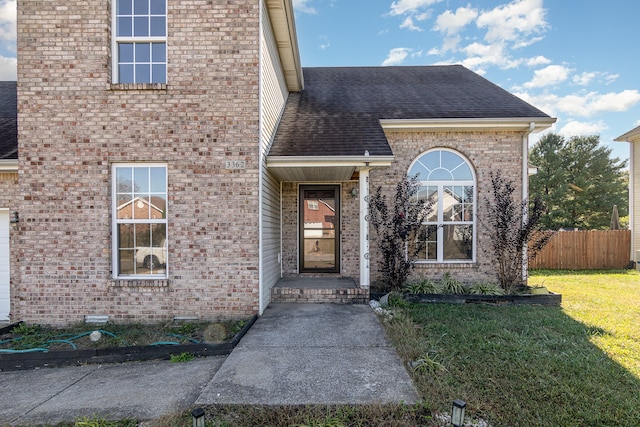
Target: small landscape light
457, 412
198, 417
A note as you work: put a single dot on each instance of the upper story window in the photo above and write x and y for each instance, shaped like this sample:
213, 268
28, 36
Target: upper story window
140, 220
140, 42
448, 181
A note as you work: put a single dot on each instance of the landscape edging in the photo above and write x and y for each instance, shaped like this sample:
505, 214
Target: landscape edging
60, 358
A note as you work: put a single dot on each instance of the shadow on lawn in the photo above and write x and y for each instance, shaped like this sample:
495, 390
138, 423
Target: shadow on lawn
515, 365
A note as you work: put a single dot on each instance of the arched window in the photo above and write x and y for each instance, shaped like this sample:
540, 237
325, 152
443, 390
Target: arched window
448, 181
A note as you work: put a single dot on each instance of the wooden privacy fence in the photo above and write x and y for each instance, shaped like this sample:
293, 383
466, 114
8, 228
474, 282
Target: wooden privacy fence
586, 250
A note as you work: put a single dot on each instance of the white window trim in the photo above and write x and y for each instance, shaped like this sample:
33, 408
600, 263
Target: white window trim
115, 222
439, 223
115, 40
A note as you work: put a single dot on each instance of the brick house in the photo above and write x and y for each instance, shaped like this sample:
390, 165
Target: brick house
261, 169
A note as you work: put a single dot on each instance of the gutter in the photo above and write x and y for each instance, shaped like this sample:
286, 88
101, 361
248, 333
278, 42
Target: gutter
328, 161
9, 165
470, 124
525, 192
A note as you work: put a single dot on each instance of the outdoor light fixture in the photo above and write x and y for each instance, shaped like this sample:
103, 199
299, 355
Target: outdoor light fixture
198, 417
457, 413
354, 192
14, 218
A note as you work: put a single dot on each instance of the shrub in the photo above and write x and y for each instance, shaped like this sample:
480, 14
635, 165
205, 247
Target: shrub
424, 286
397, 223
484, 288
449, 285
513, 228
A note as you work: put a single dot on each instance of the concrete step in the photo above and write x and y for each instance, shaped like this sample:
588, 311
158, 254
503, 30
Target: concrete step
339, 290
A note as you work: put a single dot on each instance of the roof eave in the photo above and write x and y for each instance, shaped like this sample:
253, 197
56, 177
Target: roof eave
631, 136
284, 30
532, 124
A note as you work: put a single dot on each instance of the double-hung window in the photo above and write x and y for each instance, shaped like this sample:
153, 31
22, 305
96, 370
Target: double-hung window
140, 42
448, 182
140, 220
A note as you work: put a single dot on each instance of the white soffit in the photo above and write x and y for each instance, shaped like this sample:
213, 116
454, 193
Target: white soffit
462, 125
321, 168
631, 136
284, 30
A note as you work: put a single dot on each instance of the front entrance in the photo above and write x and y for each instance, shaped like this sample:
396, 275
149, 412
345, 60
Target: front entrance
319, 228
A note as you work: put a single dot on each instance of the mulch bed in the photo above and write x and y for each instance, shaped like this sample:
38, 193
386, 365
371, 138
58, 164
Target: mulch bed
59, 358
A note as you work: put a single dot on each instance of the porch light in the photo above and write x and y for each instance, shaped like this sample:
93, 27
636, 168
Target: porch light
197, 415
457, 412
14, 218
354, 192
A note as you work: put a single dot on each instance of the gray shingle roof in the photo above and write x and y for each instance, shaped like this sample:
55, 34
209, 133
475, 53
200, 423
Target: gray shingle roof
338, 112
8, 121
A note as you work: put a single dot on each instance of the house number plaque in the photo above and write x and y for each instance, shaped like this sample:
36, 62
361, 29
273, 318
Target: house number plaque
235, 164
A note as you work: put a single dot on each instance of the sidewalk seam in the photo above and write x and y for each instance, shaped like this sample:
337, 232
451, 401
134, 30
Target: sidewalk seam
26, 413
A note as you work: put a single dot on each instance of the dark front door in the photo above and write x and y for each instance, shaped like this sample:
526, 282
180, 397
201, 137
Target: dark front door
319, 228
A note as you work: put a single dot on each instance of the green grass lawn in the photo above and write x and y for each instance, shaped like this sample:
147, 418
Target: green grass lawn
533, 366
575, 365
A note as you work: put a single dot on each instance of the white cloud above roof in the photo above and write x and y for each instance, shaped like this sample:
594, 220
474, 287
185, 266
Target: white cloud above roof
8, 68
8, 14
577, 128
402, 7
585, 104
451, 23
549, 76
304, 7
396, 56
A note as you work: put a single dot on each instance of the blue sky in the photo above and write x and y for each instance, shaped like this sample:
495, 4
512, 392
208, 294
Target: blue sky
576, 60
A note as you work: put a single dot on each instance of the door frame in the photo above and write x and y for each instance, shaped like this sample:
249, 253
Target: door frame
337, 247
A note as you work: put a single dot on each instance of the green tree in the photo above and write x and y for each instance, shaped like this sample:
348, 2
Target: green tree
578, 181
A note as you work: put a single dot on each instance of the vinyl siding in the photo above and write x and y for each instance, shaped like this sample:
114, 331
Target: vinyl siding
273, 97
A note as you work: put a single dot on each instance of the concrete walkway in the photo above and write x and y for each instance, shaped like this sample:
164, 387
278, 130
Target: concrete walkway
293, 354
312, 354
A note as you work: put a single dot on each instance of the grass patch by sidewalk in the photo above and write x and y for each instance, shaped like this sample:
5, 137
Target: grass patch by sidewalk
524, 366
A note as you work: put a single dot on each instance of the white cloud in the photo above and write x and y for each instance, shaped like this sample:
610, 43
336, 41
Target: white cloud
396, 56
451, 23
515, 22
576, 128
8, 15
402, 7
585, 78
583, 104
538, 60
304, 7
588, 77
409, 25
479, 56
548, 76
8, 69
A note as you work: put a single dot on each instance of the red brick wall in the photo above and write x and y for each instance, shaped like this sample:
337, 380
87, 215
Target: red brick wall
74, 125
487, 152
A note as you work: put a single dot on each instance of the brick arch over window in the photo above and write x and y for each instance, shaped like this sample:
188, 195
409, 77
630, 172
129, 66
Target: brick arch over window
447, 179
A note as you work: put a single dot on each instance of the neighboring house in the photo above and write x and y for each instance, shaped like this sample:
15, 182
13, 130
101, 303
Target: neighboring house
8, 187
192, 127
633, 137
